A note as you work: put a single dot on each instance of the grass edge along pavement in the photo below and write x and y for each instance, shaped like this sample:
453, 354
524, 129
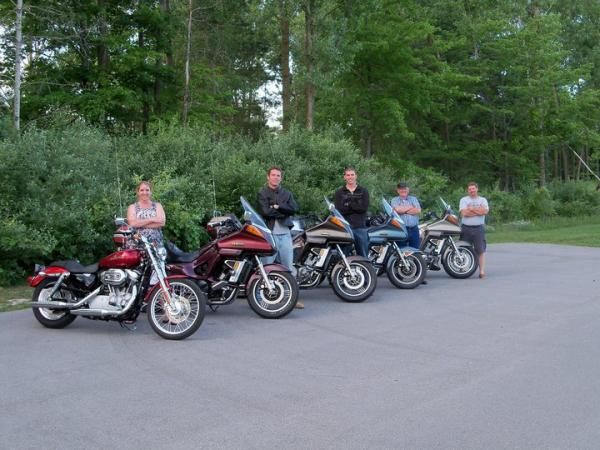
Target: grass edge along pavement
13, 298
581, 231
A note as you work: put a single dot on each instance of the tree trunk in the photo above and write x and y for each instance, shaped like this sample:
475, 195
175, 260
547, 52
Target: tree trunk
102, 51
165, 7
188, 49
566, 168
309, 88
543, 168
18, 45
145, 104
284, 23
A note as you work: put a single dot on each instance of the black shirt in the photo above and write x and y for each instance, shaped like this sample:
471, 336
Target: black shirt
353, 205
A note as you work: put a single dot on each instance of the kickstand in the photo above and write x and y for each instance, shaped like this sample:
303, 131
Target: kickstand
131, 326
213, 308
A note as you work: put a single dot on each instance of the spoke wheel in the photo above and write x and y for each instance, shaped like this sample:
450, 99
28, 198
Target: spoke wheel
52, 318
181, 317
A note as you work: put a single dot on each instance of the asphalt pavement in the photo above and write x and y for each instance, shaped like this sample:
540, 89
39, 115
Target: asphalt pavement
510, 361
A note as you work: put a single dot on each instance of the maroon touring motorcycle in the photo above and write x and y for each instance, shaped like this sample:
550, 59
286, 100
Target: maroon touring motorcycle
231, 265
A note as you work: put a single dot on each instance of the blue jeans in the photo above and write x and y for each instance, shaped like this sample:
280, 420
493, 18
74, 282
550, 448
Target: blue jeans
361, 241
413, 236
285, 252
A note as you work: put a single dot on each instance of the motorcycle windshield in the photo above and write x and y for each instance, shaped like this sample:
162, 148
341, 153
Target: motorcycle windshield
390, 211
334, 212
256, 219
447, 207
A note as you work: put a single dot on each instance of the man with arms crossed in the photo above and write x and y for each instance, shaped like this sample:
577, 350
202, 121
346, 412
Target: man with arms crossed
473, 210
352, 201
277, 206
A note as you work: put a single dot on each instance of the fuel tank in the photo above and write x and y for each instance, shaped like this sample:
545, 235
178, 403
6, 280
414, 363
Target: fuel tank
123, 259
327, 232
386, 232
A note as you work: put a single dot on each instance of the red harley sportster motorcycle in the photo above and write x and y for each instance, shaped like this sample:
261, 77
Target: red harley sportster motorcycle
231, 264
116, 287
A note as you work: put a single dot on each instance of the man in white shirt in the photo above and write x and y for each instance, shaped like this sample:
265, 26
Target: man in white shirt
473, 210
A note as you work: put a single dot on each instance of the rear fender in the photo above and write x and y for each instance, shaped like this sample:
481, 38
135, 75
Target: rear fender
46, 272
268, 268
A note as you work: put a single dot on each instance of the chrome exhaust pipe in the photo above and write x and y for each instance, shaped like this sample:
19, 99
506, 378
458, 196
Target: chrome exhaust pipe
107, 312
64, 305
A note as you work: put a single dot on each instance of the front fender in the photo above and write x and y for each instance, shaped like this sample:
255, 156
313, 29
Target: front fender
355, 258
350, 259
156, 286
268, 268
406, 251
460, 244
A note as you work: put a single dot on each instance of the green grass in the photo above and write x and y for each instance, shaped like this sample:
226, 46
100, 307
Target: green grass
10, 297
582, 231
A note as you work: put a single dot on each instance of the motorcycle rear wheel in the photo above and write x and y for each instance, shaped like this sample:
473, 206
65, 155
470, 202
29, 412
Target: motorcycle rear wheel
183, 317
461, 264
407, 276
354, 289
277, 303
51, 318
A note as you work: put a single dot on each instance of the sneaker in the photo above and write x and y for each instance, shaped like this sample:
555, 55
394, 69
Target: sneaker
299, 305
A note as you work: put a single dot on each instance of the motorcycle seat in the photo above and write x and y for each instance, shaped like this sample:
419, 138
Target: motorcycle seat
176, 255
75, 266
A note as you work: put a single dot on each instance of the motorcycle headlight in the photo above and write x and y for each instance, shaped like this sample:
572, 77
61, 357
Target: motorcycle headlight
161, 252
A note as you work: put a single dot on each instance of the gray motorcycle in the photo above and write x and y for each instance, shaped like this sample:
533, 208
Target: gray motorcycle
441, 244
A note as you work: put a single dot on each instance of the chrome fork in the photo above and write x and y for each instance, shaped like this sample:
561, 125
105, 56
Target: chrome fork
261, 267
346, 263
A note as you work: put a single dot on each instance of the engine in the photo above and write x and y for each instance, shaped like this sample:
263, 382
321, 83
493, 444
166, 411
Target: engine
118, 289
113, 277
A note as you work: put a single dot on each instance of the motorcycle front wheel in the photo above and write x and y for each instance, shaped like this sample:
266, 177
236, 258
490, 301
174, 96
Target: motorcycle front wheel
279, 301
183, 316
51, 318
357, 286
409, 275
460, 264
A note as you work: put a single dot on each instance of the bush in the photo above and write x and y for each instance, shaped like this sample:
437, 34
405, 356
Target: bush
61, 187
504, 206
539, 204
576, 198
